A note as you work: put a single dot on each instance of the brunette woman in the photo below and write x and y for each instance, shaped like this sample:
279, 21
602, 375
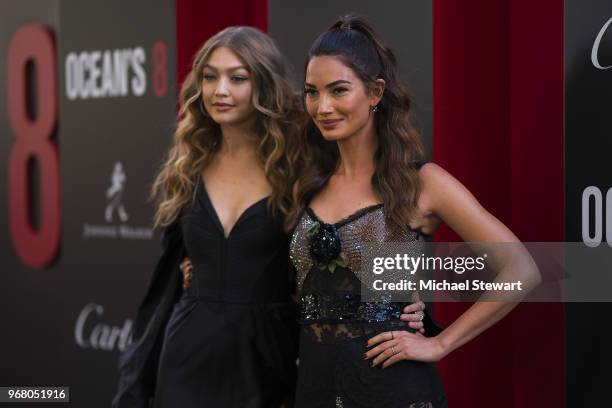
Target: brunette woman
366, 183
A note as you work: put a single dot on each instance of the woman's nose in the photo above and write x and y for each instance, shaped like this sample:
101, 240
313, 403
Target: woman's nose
222, 87
325, 106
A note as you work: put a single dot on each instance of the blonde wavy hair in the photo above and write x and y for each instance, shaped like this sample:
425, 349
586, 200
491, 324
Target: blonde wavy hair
197, 137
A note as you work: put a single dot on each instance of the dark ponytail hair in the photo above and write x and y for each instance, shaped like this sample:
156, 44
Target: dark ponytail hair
354, 42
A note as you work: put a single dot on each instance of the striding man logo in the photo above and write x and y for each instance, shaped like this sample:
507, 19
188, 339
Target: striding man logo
114, 195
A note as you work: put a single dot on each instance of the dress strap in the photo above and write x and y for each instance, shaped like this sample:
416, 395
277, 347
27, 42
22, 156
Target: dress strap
419, 163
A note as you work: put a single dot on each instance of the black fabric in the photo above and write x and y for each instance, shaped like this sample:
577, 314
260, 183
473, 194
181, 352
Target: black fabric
432, 328
229, 339
138, 364
332, 370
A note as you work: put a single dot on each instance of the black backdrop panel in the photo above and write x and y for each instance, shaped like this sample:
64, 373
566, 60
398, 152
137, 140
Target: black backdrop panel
405, 25
67, 322
588, 173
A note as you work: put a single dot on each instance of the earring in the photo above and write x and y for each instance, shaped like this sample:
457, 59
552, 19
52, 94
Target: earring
374, 108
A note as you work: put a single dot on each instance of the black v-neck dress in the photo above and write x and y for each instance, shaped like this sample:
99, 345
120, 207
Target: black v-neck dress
231, 340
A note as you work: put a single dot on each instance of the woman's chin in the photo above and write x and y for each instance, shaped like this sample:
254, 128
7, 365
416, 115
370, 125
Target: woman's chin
332, 135
226, 120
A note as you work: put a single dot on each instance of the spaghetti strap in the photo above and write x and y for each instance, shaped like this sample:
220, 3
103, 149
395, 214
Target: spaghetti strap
419, 163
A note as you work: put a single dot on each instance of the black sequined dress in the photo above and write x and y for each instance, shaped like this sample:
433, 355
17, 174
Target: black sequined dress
335, 325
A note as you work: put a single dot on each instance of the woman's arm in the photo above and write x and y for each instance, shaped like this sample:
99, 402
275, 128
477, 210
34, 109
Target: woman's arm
447, 198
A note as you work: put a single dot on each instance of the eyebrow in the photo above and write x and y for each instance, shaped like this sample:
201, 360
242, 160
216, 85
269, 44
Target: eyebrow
229, 69
331, 84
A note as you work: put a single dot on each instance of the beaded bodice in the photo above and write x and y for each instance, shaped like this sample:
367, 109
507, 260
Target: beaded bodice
332, 296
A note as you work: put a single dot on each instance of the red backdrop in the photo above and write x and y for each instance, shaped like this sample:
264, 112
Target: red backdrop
498, 127
198, 20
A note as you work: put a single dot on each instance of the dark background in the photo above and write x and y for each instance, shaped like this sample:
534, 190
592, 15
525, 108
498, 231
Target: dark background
506, 99
40, 307
588, 148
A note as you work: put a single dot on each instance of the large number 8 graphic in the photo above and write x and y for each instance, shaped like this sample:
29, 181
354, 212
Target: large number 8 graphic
35, 247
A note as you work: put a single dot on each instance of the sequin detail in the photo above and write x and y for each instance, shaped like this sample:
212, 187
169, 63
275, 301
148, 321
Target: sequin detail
349, 307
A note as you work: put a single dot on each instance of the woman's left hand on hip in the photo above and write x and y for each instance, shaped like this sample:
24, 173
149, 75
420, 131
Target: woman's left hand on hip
393, 346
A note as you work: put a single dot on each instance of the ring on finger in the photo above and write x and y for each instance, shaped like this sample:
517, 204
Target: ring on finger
420, 314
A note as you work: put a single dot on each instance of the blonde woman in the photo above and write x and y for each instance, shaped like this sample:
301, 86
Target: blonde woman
228, 337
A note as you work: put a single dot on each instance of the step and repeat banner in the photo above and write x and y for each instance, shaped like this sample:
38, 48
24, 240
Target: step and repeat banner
88, 93
588, 187
87, 112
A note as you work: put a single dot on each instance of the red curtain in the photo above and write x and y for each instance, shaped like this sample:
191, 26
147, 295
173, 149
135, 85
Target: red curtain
197, 21
498, 127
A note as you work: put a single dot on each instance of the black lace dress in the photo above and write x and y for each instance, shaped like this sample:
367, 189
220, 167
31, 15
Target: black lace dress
335, 324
